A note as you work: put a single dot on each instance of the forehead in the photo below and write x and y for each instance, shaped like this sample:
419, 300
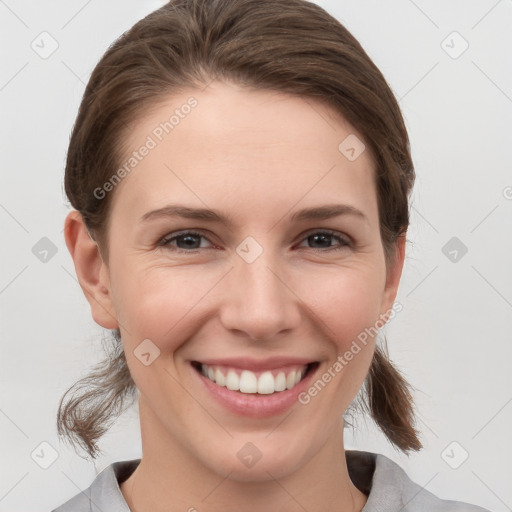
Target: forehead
231, 143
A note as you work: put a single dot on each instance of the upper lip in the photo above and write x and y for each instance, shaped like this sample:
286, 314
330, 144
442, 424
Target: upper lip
248, 363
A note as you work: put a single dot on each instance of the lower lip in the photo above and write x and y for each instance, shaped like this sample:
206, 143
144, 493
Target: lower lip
254, 404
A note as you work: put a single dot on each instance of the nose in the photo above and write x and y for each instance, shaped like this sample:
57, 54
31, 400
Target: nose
258, 299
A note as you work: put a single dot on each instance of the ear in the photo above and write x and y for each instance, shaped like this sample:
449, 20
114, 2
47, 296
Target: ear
394, 273
91, 271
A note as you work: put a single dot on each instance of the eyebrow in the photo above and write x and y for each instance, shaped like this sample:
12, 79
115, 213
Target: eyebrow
204, 214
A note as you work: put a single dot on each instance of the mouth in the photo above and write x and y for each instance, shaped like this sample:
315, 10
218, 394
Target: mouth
263, 382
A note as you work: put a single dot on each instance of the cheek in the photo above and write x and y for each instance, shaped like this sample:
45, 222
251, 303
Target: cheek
346, 302
163, 304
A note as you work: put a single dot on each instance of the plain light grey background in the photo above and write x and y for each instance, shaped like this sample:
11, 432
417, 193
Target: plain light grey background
449, 65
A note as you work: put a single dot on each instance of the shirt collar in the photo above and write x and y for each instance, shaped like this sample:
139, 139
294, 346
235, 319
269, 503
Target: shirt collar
385, 483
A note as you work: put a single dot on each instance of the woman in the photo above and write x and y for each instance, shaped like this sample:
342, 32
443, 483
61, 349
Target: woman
256, 130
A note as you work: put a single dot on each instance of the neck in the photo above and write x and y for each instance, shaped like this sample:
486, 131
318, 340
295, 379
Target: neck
163, 481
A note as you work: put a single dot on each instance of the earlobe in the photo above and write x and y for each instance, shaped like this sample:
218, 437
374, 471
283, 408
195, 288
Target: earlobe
90, 269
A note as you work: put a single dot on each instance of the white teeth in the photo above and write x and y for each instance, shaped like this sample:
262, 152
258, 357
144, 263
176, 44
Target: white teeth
232, 381
290, 380
266, 383
248, 382
219, 378
280, 384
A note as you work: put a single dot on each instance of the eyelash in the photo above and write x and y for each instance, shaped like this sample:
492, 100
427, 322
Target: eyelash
346, 242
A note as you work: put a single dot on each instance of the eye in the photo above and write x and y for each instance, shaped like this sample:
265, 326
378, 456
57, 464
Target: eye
187, 241
323, 237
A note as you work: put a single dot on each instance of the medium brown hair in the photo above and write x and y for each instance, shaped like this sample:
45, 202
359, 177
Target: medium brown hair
289, 46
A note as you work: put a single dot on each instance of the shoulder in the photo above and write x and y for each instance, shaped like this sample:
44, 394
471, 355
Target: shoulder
104, 492
389, 488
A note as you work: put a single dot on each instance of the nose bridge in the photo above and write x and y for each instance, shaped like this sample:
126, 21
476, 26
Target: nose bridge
256, 270
258, 300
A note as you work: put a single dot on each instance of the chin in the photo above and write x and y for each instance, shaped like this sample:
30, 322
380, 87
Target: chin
255, 462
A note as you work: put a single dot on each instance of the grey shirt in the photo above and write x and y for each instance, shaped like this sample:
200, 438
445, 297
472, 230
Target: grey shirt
386, 484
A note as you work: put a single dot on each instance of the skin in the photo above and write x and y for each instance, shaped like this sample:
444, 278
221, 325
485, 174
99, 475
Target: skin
256, 156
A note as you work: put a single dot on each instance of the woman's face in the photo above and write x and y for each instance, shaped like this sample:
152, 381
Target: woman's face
256, 296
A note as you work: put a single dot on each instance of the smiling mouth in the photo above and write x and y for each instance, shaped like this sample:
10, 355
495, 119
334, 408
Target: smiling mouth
262, 383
